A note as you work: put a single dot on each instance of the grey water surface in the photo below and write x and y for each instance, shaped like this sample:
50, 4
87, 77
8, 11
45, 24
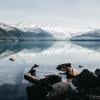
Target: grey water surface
48, 54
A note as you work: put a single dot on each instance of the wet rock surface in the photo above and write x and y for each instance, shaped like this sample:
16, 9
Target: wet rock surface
69, 70
42, 87
50, 80
36, 92
86, 79
87, 86
60, 91
63, 67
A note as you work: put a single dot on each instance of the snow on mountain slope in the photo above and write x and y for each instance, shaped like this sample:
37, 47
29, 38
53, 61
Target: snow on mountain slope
36, 32
57, 32
91, 35
11, 33
27, 27
6, 27
27, 31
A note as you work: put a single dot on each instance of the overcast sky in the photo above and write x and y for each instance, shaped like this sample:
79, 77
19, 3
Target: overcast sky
64, 13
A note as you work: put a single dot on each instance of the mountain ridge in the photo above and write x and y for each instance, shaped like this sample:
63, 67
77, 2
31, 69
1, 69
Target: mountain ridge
88, 36
34, 32
14, 33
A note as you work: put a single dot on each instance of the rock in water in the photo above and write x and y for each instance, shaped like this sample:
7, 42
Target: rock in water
50, 80
36, 92
32, 71
80, 66
31, 78
40, 88
97, 72
85, 79
72, 72
12, 59
62, 67
69, 70
60, 91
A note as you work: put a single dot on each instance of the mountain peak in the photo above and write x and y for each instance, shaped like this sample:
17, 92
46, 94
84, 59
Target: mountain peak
6, 27
25, 25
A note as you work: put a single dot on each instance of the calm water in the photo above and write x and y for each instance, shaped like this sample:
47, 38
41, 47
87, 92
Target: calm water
48, 54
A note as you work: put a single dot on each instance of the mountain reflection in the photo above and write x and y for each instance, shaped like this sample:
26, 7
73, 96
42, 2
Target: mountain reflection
91, 45
14, 47
39, 46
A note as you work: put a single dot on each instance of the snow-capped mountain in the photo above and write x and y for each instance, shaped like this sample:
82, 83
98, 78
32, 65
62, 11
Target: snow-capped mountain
10, 33
24, 31
38, 32
6, 27
91, 35
56, 32
15, 33
27, 27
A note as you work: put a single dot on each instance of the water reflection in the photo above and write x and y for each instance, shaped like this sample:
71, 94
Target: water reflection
48, 54
7, 48
11, 92
39, 46
92, 45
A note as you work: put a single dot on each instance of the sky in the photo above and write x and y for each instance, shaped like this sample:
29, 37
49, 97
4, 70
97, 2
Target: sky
62, 13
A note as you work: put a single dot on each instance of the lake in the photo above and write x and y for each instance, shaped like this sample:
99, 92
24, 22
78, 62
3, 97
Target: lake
48, 54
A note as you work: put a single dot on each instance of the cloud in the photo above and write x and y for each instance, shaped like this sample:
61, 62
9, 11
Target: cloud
10, 16
73, 13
